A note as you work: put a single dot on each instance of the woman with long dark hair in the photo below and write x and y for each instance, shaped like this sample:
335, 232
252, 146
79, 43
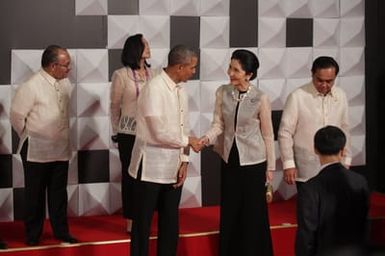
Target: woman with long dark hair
127, 82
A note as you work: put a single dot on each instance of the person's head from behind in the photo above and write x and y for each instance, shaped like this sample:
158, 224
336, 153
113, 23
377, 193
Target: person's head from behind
324, 72
183, 61
242, 68
56, 61
135, 52
330, 141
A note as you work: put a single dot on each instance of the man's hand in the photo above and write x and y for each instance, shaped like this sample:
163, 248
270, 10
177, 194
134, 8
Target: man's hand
289, 175
182, 174
195, 144
204, 141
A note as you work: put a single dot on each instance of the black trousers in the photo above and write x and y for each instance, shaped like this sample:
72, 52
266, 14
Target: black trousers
41, 179
125, 145
244, 220
148, 197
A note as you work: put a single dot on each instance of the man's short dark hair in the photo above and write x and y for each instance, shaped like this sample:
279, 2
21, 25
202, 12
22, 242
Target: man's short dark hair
50, 55
180, 54
329, 140
323, 62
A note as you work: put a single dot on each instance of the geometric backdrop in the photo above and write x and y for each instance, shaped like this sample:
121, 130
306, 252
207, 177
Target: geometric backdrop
285, 35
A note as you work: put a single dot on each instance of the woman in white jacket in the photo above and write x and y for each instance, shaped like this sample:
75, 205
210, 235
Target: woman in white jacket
243, 133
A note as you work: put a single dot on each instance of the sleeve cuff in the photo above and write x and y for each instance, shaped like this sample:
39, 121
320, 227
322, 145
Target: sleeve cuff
184, 158
211, 138
347, 161
185, 141
271, 168
288, 164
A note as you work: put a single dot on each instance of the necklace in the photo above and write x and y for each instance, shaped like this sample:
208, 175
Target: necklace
136, 80
241, 95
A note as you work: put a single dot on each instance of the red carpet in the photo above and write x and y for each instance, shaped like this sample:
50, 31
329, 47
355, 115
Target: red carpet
105, 235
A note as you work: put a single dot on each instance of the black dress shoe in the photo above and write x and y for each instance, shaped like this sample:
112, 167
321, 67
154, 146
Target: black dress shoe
68, 239
32, 242
3, 245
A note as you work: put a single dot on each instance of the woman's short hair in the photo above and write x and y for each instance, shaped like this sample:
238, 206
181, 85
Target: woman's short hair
248, 61
133, 51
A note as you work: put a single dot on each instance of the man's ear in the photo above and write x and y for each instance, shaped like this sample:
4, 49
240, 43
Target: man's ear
316, 152
52, 66
342, 152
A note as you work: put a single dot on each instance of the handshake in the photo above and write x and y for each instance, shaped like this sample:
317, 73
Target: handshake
197, 144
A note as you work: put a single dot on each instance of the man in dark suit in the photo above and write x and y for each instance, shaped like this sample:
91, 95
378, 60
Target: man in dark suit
336, 201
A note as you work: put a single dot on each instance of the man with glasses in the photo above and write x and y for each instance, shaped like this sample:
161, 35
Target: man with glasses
307, 109
40, 116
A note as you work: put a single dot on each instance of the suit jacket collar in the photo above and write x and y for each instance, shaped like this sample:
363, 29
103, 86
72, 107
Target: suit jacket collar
332, 166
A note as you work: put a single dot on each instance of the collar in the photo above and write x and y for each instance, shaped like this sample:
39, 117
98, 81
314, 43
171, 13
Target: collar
50, 79
322, 167
314, 91
235, 93
170, 83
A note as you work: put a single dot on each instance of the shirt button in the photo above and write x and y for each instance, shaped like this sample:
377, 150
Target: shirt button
181, 125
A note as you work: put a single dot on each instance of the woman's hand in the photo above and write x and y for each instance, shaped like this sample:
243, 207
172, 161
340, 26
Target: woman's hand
269, 176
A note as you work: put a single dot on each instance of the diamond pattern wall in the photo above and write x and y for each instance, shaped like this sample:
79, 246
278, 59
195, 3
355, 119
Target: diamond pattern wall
91, 7
290, 34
